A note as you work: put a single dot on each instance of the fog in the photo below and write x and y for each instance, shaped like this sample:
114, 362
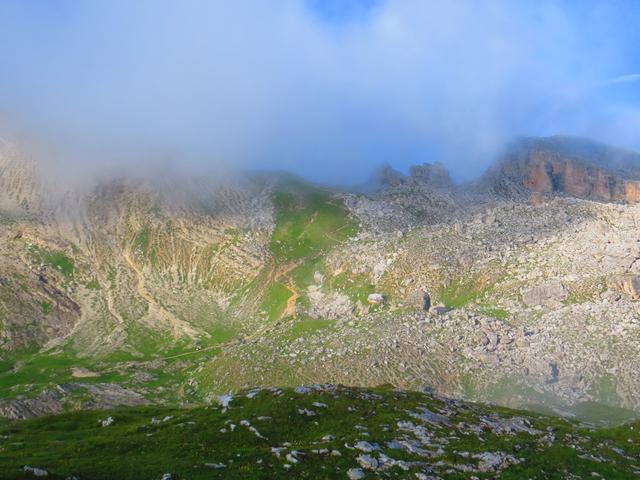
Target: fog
328, 90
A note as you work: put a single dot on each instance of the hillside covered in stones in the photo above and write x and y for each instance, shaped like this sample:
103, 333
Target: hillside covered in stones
519, 288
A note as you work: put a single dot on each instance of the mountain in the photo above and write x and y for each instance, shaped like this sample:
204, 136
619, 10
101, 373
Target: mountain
138, 291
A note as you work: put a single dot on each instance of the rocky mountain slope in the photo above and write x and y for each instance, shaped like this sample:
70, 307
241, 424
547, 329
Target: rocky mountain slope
317, 431
520, 288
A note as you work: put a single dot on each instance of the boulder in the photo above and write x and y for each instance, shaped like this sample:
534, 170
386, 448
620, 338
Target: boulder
438, 309
367, 462
426, 302
107, 421
375, 299
547, 294
36, 472
355, 474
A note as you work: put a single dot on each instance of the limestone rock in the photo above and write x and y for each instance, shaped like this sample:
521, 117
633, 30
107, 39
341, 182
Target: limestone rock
375, 299
547, 294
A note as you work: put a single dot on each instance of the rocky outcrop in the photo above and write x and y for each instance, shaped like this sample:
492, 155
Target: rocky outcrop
628, 284
54, 400
572, 167
432, 174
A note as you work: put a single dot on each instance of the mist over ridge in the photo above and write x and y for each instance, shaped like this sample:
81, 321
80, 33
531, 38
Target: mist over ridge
326, 91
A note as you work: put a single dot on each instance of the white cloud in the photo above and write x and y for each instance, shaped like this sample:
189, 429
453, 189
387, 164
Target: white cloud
265, 84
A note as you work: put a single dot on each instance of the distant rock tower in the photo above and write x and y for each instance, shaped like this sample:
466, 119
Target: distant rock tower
433, 174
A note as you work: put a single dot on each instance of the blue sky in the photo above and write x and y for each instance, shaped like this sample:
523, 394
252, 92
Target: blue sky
328, 89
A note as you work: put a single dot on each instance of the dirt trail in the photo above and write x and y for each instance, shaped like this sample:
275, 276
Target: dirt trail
290, 311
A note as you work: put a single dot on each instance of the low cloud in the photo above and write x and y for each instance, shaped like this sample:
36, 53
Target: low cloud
285, 85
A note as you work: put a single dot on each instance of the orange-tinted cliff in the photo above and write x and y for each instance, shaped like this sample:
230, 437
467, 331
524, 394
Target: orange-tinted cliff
572, 167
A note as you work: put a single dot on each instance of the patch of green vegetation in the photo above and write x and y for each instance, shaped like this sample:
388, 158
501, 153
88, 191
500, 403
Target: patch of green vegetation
221, 334
495, 312
93, 285
463, 291
578, 297
54, 259
275, 301
302, 276
468, 384
356, 287
46, 307
598, 413
61, 262
29, 372
308, 221
605, 391
141, 241
307, 326
183, 442
149, 342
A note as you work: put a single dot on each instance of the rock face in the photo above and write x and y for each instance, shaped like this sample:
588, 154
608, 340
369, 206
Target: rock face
571, 167
55, 399
628, 284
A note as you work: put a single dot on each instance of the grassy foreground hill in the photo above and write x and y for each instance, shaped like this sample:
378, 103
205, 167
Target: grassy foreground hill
317, 432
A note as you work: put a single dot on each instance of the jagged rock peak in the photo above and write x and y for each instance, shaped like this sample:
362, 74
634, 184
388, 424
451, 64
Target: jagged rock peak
434, 174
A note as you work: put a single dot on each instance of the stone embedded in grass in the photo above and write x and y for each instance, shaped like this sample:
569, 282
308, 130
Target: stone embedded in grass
225, 400
366, 447
36, 472
367, 462
355, 474
375, 299
107, 421
277, 451
293, 457
494, 461
252, 393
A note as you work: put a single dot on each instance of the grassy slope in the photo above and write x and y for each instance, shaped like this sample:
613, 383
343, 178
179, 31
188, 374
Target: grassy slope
308, 223
133, 447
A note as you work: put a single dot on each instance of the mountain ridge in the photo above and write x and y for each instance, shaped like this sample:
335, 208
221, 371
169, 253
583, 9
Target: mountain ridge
178, 293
